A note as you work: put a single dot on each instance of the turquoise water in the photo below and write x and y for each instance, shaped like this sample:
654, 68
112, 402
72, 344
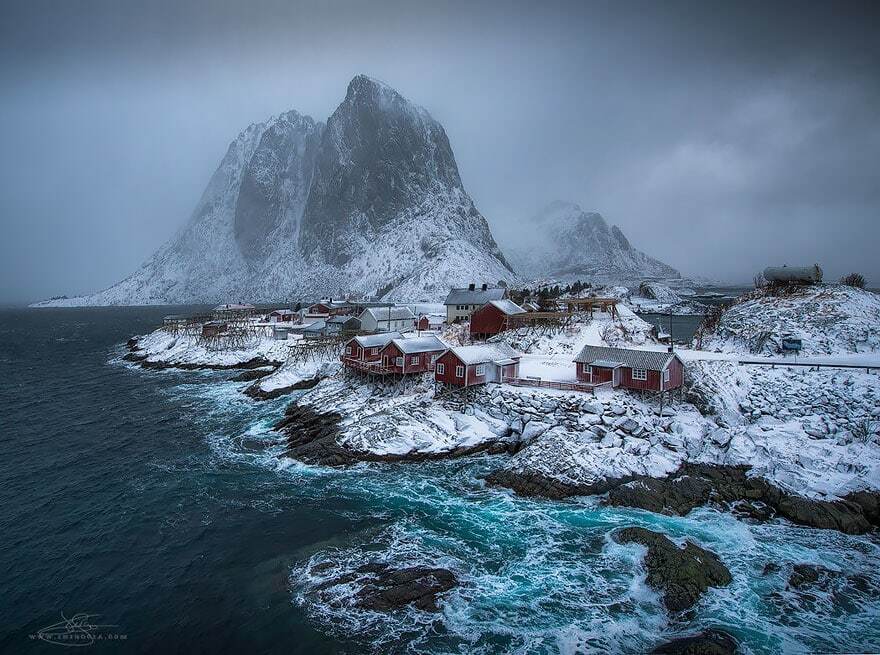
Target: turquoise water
156, 500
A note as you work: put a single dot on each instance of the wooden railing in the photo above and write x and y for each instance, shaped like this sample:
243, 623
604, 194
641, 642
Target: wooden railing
584, 387
367, 367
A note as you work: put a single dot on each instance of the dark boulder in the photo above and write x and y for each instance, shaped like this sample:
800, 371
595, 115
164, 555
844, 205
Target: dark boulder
384, 589
418, 586
682, 575
250, 376
709, 642
254, 391
869, 502
134, 357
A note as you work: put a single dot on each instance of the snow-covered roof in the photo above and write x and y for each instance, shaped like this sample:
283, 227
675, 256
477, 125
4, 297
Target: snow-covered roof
342, 318
490, 352
282, 312
647, 359
507, 306
606, 363
317, 326
372, 340
392, 313
474, 296
419, 345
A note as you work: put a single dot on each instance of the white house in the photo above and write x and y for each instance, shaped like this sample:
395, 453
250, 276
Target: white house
387, 319
461, 303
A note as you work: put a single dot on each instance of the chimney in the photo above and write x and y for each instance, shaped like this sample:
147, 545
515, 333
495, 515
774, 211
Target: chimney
485, 286
471, 286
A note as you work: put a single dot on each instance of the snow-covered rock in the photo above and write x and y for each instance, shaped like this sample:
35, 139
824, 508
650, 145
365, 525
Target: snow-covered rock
829, 319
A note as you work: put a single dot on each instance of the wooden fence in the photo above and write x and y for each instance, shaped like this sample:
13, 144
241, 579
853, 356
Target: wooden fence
584, 387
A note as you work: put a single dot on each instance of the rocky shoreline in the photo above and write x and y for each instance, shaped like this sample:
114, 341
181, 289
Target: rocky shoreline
312, 439
694, 485
140, 357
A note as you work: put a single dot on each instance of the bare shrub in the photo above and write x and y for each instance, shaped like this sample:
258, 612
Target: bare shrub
856, 280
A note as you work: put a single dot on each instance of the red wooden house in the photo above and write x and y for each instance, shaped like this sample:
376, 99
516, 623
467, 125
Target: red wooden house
491, 318
362, 352
470, 365
631, 369
413, 355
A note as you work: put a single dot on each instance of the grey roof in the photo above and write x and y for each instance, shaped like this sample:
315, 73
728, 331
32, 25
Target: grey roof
420, 345
507, 306
475, 297
651, 360
317, 326
371, 340
395, 313
343, 319
490, 352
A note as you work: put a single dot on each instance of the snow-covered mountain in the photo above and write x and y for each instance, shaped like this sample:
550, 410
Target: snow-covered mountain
296, 209
565, 242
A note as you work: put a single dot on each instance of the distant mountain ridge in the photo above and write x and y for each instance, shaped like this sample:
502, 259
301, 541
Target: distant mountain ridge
296, 209
564, 242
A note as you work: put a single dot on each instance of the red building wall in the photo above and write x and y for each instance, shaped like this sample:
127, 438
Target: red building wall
627, 382
599, 374
488, 320
422, 364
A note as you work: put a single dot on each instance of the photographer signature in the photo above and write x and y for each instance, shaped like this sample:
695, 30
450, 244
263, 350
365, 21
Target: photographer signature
78, 630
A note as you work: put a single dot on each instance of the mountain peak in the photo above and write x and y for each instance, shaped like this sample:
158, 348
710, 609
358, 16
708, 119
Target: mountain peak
567, 242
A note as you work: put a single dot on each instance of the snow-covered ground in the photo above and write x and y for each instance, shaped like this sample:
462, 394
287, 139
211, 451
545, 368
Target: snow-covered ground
829, 319
163, 347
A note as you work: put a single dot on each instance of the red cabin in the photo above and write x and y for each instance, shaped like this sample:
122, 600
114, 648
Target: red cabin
631, 369
414, 355
491, 318
363, 352
470, 365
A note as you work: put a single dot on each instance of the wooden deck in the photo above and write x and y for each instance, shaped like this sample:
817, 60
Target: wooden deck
367, 367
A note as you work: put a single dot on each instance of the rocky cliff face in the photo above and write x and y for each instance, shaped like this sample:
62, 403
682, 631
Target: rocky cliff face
566, 242
372, 201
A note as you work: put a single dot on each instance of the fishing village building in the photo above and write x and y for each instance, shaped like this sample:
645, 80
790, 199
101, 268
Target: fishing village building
412, 355
387, 319
629, 368
467, 366
493, 318
461, 303
363, 350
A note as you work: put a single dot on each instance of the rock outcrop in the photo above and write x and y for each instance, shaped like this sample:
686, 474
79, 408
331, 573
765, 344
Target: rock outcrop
681, 575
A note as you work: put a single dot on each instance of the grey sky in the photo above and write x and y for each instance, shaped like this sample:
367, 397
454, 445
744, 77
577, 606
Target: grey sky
720, 137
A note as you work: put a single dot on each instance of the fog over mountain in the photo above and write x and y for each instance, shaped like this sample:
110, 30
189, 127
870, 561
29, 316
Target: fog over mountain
718, 137
371, 203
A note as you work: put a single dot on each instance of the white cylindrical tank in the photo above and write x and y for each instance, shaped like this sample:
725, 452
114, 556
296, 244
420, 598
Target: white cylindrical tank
805, 274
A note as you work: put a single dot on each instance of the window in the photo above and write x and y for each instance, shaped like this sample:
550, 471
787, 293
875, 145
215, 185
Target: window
481, 369
441, 369
639, 374
434, 358
374, 351
459, 371
414, 360
398, 361
587, 368
666, 375
348, 350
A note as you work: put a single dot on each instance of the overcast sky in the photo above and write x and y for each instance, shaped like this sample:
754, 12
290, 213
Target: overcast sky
720, 137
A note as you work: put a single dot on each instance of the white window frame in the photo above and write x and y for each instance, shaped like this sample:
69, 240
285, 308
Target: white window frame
374, 351
398, 361
459, 371
640, 374
441, 368
348, 350
480, 370
414, 360
666, 375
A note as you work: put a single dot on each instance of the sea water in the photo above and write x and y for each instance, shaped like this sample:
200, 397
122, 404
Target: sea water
155, 503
